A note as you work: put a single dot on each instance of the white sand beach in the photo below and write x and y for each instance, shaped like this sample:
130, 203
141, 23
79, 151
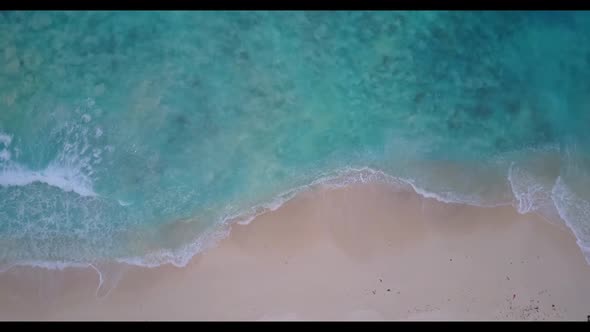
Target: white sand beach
365, 252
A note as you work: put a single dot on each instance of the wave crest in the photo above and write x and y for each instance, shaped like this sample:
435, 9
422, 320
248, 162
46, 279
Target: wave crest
66, 179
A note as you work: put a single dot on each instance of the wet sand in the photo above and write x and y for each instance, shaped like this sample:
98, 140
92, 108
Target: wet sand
365, 252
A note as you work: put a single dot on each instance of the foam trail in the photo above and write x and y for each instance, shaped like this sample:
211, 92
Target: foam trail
528, 193
575, 212
5, 155
66, 179
337, 179
451, 197
5, 139
181, 257
344, 177
107, 281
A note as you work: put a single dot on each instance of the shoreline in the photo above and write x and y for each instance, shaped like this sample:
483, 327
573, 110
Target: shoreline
339, 178
366, 251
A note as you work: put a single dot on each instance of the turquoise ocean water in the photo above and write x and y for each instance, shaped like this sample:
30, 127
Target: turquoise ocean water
136, 136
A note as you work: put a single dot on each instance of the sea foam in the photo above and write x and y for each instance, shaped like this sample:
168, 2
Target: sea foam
66, 179
571, 209
5, 139
340, 178
575, 212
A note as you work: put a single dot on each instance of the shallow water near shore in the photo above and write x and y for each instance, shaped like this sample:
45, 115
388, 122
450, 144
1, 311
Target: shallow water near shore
137, 137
